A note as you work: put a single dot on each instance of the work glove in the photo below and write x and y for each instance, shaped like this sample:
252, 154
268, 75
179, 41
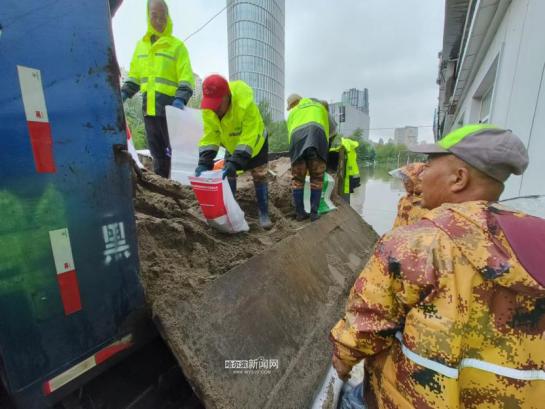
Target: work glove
200, 169
124, 96
178, 103
229, 170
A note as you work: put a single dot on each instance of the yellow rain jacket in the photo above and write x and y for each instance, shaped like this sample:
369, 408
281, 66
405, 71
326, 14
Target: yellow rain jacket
446, 315
161, 70
351, 171
308, 127
241, 131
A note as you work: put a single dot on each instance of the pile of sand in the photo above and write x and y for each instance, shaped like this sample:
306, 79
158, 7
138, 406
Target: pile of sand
180, 253
279, 305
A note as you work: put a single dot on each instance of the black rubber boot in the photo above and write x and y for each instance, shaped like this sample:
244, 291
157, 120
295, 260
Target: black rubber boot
298, 201
262, 197
315, 197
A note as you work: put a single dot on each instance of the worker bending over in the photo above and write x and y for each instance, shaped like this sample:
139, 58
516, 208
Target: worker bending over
308, 133
232, 120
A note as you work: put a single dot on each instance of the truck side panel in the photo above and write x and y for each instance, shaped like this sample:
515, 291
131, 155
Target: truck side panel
69, 284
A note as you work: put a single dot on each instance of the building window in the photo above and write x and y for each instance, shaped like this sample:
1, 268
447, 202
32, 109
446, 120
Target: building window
481, 109
486, 104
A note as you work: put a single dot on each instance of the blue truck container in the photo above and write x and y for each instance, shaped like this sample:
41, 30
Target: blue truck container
70, 297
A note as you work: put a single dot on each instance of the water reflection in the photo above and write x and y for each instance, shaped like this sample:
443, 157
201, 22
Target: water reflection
376, 199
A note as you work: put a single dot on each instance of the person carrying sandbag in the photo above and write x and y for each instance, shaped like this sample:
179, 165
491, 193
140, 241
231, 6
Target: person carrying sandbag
232, 120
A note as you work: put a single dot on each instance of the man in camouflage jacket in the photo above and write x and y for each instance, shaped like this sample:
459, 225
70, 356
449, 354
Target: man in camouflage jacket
450, 311
409, 207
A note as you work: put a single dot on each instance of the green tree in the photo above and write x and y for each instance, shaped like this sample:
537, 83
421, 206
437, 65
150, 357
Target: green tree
357, 135
135, 120
385, 152
277, 130
265, 110
395, 154
278, 137
366, 152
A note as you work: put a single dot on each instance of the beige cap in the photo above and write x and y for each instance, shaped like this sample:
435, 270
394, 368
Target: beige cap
293, 98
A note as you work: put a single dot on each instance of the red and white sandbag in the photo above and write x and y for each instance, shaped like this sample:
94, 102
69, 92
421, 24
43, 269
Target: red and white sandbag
218, 205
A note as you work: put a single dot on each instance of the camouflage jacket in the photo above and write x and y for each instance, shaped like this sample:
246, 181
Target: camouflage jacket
409, 210
444, 306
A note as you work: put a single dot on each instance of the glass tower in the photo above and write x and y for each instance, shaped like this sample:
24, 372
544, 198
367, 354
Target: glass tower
255, 31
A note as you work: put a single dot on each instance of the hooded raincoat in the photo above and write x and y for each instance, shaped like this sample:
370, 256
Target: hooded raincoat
450, 312
161, 70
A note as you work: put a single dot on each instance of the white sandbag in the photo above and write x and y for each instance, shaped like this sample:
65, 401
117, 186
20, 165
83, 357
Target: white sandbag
218, 205
326, 205
132, 150
185, 129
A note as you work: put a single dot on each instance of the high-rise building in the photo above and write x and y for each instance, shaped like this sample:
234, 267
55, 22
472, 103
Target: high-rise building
349, 119
357, 98
255, 31
352, 113
407, 135
197, 92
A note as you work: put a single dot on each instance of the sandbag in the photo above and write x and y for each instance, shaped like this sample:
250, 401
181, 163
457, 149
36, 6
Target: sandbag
185, 129
326, 205
218, 205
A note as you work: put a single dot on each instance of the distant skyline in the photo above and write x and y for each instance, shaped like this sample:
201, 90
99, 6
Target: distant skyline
387, 46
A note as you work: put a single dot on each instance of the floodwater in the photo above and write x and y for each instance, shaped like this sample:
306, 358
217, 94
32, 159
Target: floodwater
377, 197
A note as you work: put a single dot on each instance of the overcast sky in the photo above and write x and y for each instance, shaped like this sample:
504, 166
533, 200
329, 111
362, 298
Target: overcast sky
387, 46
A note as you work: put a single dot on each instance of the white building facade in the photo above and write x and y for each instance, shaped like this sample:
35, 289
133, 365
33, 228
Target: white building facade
349, 119
492, 71
408, 135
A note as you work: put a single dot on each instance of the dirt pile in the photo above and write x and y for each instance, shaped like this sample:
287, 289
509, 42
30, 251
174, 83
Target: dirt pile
256, 297
180, 253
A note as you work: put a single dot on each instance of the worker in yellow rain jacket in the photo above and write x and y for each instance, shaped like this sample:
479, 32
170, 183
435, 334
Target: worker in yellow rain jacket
161, 70
449, 312
351, 170
308, 133
232, 120
409, 207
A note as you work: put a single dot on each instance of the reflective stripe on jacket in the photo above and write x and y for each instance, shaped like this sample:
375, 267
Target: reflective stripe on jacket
307, 112
241, 131
472, 318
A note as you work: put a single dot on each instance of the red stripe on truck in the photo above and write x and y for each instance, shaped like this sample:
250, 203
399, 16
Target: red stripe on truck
106, 353
86, 365
69, 289
42, 146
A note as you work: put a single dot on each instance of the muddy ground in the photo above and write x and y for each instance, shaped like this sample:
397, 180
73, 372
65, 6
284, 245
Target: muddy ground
285, 289
180, 253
